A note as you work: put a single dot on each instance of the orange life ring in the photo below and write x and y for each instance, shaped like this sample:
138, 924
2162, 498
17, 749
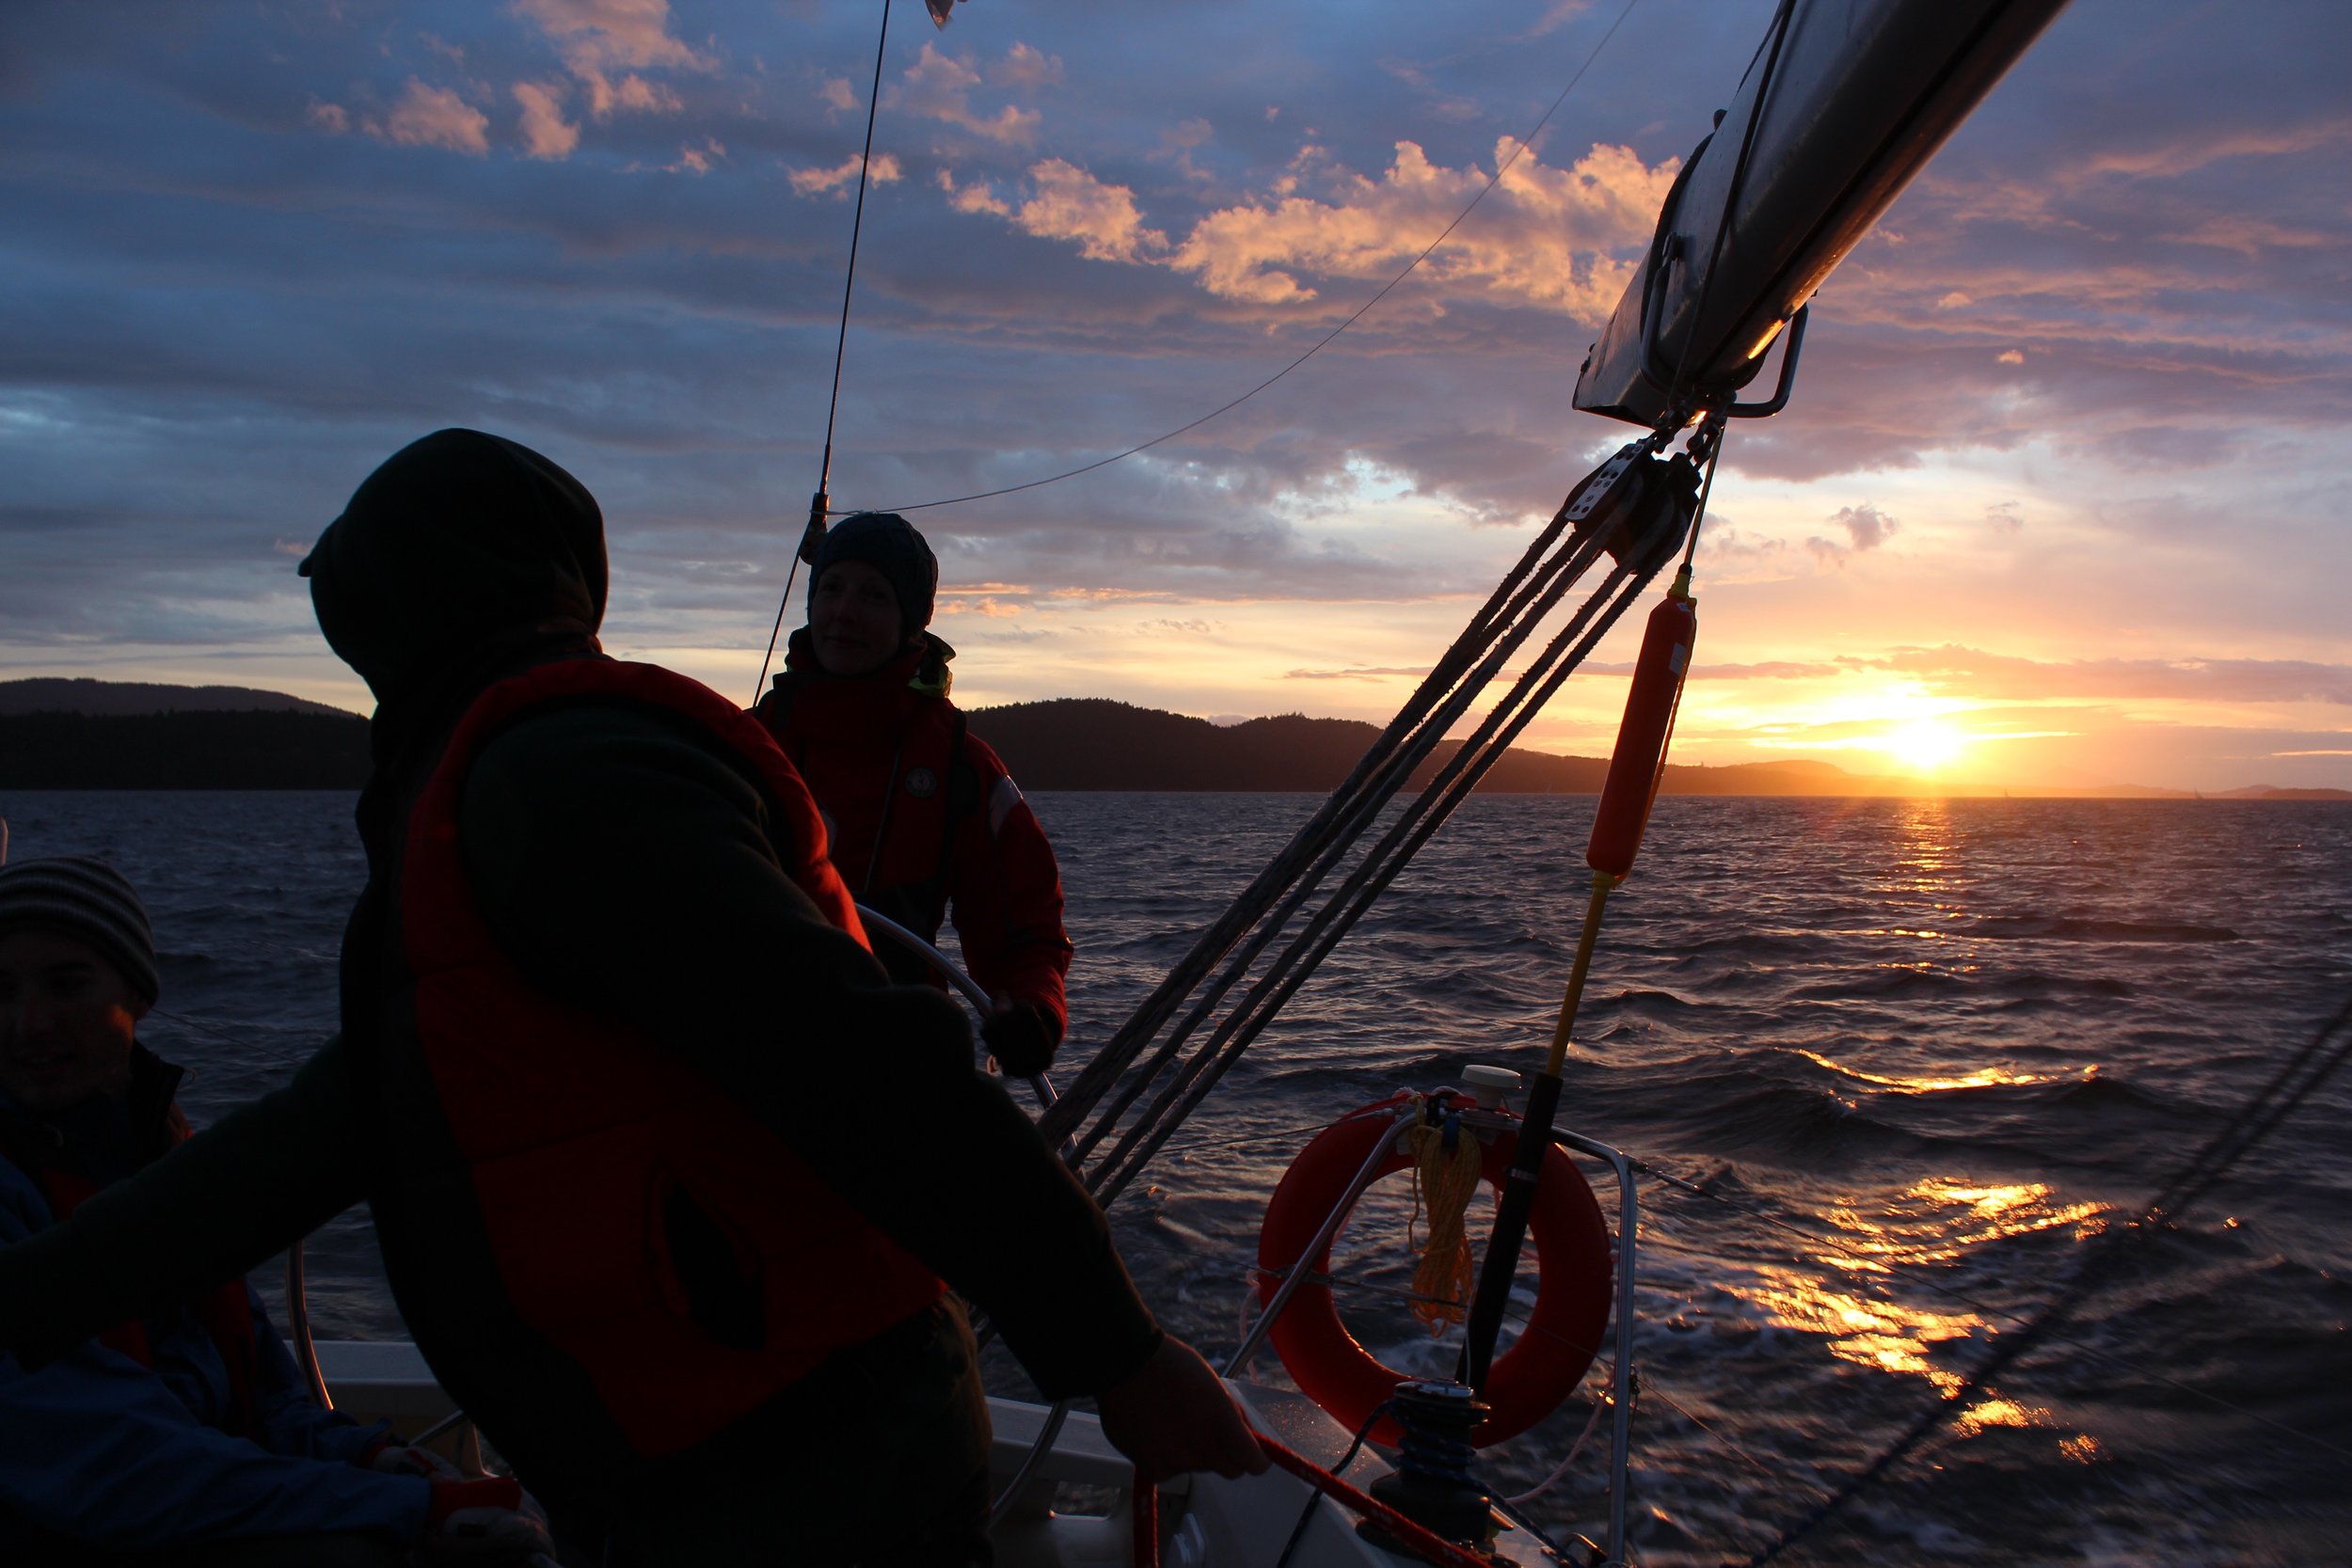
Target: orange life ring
1529, 1381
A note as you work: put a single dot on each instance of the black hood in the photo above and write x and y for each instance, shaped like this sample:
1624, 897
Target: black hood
458, 540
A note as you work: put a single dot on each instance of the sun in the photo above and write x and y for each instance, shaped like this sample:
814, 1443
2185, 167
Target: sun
1926, 744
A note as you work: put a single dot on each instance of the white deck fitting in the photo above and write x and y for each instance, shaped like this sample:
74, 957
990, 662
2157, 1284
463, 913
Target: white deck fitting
1218, 1523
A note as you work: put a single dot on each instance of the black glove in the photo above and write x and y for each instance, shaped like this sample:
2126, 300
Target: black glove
1022, 1037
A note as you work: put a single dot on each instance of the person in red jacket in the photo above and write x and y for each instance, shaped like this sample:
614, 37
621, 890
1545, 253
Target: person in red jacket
921, 816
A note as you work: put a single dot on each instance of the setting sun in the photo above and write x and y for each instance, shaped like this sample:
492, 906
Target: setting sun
1925, 744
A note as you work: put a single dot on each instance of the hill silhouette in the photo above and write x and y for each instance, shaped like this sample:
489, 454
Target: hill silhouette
108, 734
80, 694
1092, 743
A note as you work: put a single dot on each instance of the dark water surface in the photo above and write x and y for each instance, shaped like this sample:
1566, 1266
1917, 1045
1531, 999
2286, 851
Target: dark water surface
1949, 1039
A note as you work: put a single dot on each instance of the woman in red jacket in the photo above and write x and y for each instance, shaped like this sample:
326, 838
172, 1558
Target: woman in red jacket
921, 816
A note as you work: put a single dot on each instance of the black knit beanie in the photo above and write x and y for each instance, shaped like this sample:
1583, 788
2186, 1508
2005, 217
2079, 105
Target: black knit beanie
88, 900
888, 543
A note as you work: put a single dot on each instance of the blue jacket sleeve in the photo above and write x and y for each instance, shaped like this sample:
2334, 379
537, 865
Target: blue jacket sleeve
95, 1447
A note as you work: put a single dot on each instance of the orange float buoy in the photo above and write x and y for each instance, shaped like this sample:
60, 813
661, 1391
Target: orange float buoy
1639, 759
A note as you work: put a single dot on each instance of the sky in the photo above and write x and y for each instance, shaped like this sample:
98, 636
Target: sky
2058, 502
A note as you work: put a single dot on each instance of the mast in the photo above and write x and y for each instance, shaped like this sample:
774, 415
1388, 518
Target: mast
1845, 102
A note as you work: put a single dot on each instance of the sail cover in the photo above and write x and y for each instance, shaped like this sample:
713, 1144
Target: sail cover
1844, 103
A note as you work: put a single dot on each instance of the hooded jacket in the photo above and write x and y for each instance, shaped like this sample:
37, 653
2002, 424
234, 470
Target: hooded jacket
922, 816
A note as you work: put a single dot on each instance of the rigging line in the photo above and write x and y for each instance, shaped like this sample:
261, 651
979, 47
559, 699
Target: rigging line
840, 345
1712, 428
1454, 795
1324, 341
1544, 590
1651, 1391
1579, 558
2087, 1279
1518, 603
857, 223
1330, 822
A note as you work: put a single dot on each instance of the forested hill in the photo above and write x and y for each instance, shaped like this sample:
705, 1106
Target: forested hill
113, 699
1093, 743
103, 734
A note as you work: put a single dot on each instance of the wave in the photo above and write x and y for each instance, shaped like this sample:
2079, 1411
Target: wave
2073, 928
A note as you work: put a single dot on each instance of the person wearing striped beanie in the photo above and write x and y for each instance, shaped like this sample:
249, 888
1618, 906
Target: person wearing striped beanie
79, 973
187, 1427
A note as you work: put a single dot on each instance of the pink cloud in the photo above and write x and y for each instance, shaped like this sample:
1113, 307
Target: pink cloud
980, 196
601, 38
840, 179
434, 116
1072, 204
939, 87
1546, 237
546, 133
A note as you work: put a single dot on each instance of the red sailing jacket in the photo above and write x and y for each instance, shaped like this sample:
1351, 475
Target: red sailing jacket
607, 1238
921, 814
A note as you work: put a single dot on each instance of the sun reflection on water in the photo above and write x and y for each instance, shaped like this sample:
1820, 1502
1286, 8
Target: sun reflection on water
1880, 1335
1984, 1077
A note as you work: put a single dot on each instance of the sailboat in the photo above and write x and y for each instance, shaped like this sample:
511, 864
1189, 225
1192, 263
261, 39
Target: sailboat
1843, 104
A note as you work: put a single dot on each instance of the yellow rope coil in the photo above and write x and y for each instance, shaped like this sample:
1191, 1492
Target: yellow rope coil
1442, 1185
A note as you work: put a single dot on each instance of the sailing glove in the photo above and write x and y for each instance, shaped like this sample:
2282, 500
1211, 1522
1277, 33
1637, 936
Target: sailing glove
1022, 1037
487, 1517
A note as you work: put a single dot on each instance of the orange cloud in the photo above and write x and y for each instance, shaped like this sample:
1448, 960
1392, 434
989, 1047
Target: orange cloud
939, 87
599, 37
1545, 236
546, 133
1072, 204
434, 116
839, 179
1973, 673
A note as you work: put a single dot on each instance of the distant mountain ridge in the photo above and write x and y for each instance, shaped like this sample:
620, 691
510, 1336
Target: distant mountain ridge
81, 695
81, 734
1094, 743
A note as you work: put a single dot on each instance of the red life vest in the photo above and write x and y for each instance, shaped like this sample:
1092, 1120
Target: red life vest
885, 757
592, 1159
225, 1313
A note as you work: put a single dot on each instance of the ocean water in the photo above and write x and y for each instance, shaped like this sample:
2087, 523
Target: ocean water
1921, 1052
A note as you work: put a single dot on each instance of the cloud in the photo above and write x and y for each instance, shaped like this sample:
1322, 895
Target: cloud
433, 117
698, 160
2180, 154
599, 37
976, 197
1865, 525
1359, 673
546, 133
1072, 204
1772, 670
1025, 66
1972, 673
1546, 237
837, 95
939, 87
333, 118
840, 179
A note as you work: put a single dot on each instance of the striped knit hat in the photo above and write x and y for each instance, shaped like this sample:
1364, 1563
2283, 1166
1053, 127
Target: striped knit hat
87, 900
